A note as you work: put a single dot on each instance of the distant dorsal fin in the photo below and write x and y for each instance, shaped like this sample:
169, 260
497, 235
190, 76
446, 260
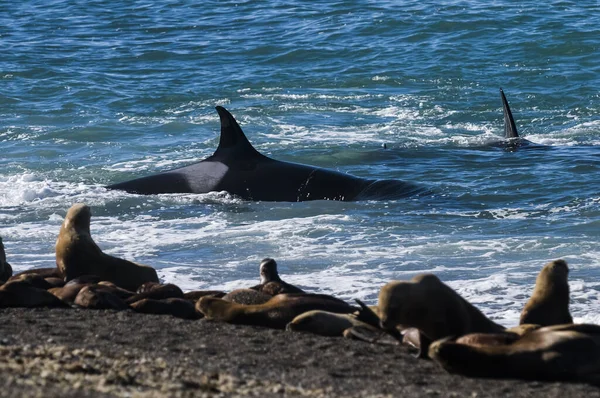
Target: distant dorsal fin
232, 136
510, 129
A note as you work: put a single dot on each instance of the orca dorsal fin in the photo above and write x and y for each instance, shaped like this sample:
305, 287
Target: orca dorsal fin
232, 136
510, 129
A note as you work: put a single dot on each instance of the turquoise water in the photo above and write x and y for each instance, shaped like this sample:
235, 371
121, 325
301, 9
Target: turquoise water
98, 92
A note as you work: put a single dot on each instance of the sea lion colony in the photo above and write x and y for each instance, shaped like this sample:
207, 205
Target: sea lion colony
434, 318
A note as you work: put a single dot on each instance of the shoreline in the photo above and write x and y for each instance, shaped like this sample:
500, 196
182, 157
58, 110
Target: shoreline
99, 353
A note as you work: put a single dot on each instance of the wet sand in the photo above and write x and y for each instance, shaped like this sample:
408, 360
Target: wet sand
87, 353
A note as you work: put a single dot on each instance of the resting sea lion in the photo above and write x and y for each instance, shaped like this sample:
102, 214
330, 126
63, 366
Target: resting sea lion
67, 293
195, 295
178, 307
549, 303
158, 292
270, 282
23, 294
99, 297
275, 313
247, 297
34, 280
561, 352
431, 306
77, 254
5, 268
325, 323
43, 272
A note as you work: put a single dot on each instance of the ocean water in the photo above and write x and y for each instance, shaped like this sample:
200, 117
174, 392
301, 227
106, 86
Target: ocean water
96, 92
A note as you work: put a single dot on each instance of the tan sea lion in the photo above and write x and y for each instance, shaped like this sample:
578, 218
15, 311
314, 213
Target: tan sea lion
270, 282
158, 292
549, 302
23, 294
77, 254
431, 306
99, 297
247, 297
5, 268
325, 323
275, 313
178, 307
560, 352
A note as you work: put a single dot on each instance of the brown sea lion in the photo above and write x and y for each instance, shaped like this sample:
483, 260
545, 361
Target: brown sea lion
55, 282
178, 307
144, 287
77, 254
159, 292
35, 280
275, 313
23, 294
247, 297
549, 303
326, 323
67, 293
195, 295
84, 279
561, 352
43, 272
99, 297
270, 282
5, 268
431, 306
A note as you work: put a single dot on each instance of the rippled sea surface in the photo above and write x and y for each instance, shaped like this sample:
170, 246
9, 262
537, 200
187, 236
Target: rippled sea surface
97, 92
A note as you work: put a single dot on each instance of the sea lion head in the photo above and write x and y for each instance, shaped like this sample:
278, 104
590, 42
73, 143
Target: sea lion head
268, 271
404, 303
555, 272
78, 217
214, 308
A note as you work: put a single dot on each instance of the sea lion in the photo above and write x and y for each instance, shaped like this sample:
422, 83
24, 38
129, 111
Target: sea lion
144, 287
549, 303
195, 295
23, 294
43, 272
561, 352
55, 282
5, 268
178, 307
275, 313
247, 297
34, 280
270, 282
99, 297
431, 306
84, 279
158, 292
67, 293
77, 254
116, 290
325, 323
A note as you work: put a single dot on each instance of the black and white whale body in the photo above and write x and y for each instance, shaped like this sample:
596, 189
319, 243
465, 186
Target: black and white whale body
239, 169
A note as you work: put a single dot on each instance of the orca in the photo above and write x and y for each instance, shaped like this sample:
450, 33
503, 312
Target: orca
239, 169
514, 141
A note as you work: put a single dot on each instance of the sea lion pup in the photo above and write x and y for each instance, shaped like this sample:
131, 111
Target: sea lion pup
178, 307
275, 313
195, 295
159, 292
270, 282
99, 297
247, 297
77, 254
23, 294
431, 306
549, 302
5, 268
325, 323
560, 352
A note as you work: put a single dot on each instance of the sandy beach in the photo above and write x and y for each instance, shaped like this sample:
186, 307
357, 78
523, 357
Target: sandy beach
87, 353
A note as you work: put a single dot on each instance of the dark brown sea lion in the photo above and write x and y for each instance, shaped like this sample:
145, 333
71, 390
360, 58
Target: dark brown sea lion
549, 303
326, 323
178, 307
84, 279
561, 352
116, 290
159, 292
195, 295
23, 294
43, 272
431, 306
34, 280
276, 313
247, 297
77, 254
144, 287
99, 297
5, 268
67, 293
55, 282
270, 282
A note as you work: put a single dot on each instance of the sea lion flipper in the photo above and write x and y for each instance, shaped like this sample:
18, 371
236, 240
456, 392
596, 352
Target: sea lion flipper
510, 128
367, 315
